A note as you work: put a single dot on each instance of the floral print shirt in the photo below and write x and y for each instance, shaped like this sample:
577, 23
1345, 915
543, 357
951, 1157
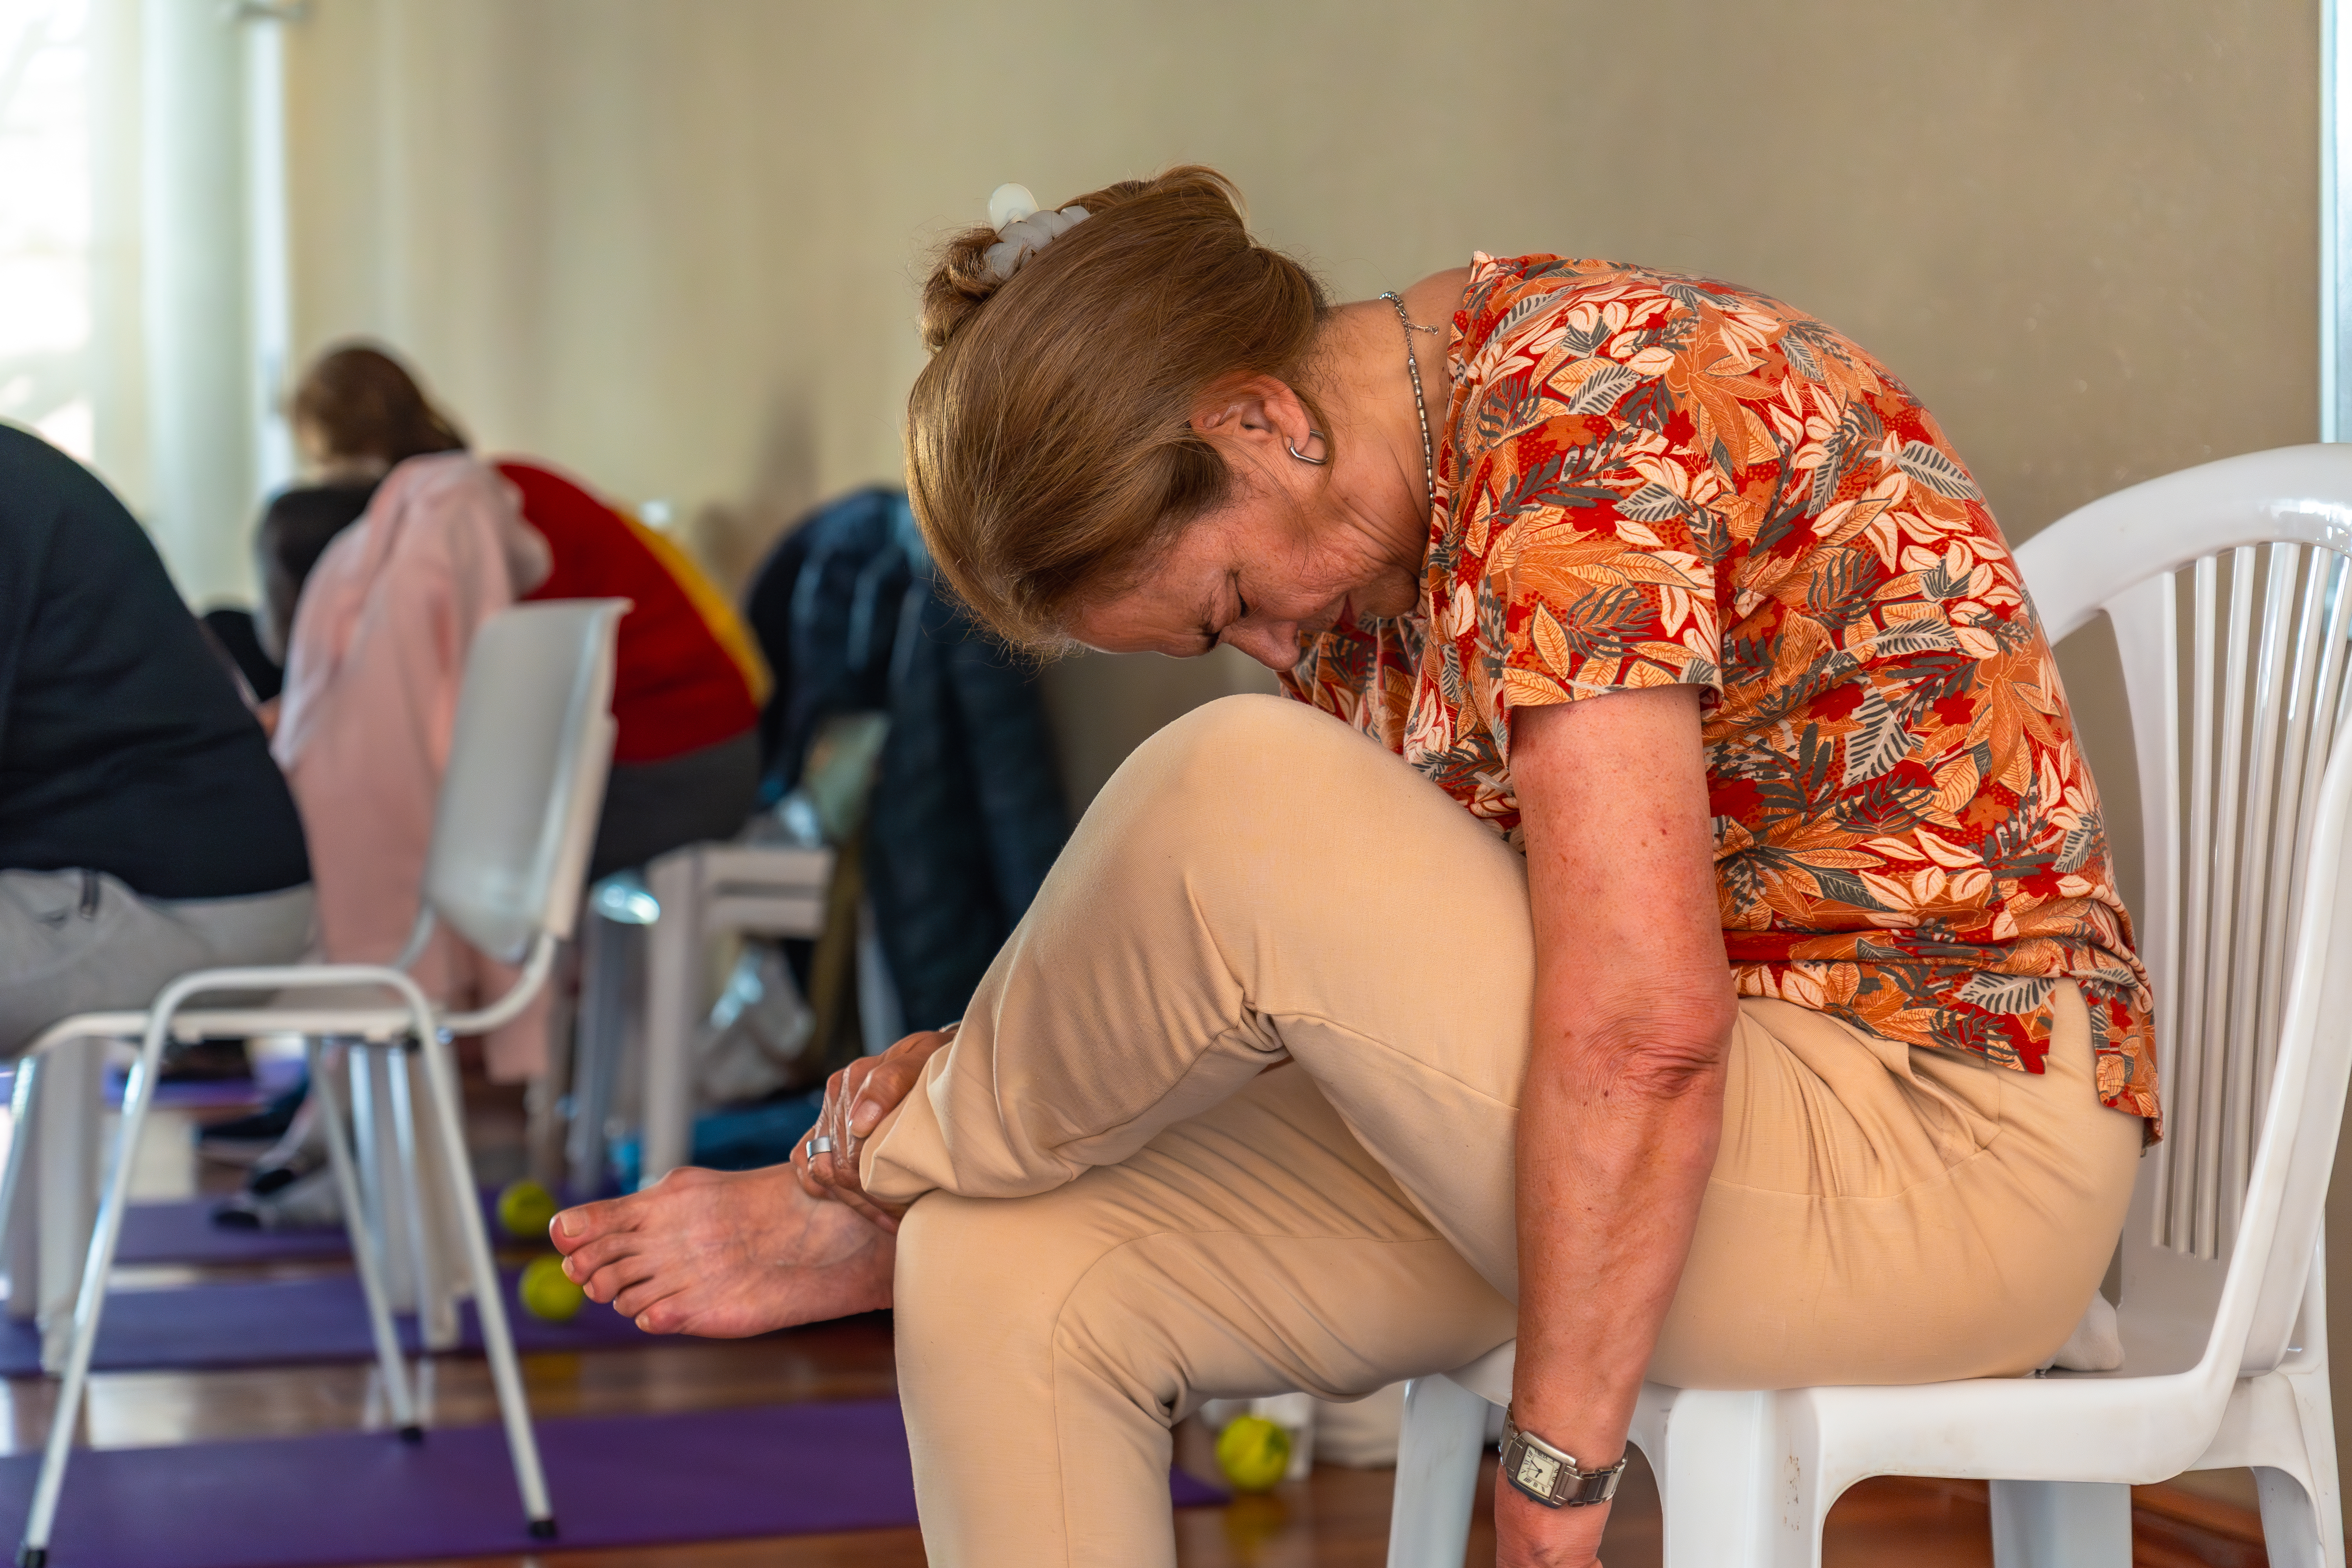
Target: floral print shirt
1648, 478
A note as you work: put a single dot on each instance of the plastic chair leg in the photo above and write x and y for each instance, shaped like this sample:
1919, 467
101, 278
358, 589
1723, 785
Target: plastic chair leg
2291, 1533
2303, 1519
20, 1239
22, 1097
1732, 1499
1437, 1474
367, 1250
68, 1172
2061, 1524
489, 1300
89, 1306
673, 967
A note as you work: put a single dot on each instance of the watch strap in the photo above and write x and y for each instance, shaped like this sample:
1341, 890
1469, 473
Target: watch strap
1552, 1476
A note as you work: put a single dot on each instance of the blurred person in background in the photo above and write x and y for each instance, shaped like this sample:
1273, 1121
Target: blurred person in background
690, 680
145, 832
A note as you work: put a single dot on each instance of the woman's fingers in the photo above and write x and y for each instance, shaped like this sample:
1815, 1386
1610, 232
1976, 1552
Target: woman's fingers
884, 1087
857, 1099
828, 1161
894, 1077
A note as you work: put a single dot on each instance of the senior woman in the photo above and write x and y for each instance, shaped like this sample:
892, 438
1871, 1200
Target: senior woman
1673, 925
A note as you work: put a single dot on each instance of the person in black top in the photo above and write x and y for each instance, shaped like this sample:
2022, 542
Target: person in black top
144, 830
296, 529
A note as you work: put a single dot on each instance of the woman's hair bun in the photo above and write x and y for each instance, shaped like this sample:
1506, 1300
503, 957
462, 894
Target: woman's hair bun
961, 281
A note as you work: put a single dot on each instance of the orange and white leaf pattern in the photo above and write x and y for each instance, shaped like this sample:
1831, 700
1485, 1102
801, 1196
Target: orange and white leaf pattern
1680, 481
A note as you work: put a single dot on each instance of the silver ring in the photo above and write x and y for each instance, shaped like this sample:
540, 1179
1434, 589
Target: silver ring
820, 1145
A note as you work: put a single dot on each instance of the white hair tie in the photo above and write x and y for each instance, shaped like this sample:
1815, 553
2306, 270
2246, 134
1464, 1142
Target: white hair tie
1022, 230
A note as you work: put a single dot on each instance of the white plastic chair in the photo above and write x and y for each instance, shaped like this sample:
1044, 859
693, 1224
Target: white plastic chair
2248, 937
512, 834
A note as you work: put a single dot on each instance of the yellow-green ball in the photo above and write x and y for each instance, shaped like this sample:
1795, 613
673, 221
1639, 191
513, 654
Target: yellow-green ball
548, 1293
526, 1209
1254, 1452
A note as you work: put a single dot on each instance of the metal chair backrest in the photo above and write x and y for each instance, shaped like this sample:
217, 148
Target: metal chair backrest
520, 799
2228, 588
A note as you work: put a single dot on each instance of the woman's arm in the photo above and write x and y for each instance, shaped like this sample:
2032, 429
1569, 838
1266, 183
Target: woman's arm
1622, 1105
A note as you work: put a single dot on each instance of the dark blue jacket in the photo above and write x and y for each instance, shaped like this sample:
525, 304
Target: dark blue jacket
967, 811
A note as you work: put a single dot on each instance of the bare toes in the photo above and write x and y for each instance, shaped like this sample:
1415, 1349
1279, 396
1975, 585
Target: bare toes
587, 1257
607, 1283
575, 1228
633, 1301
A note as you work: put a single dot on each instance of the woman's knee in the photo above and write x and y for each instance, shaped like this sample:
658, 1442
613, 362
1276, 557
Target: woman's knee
1269, 776
1238, 749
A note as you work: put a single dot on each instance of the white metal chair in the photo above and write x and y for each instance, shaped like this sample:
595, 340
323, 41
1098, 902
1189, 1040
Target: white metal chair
2248, 936
511, 832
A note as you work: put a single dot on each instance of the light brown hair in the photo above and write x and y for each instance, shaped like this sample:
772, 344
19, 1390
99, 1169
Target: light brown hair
1050, 450
364, 404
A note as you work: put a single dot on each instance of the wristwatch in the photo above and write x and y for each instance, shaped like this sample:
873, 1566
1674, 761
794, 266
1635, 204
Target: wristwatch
1551, 1477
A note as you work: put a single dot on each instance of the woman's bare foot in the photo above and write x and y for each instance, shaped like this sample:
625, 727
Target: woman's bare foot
725, 1254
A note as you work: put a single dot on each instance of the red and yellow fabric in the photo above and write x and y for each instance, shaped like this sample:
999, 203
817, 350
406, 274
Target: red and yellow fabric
688, 673
1648, 478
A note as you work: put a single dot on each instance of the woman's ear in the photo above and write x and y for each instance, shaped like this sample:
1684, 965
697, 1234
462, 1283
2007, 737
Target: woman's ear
1253, 411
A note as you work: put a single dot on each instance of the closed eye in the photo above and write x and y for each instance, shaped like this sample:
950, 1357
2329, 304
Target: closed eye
1211, 636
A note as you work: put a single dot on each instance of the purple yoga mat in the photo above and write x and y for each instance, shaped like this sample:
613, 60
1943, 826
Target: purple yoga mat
272, 1322
346, 1497
184, 1231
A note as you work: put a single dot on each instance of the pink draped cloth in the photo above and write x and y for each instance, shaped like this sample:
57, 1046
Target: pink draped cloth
373, 671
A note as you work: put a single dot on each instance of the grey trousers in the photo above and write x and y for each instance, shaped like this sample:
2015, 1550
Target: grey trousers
82, 942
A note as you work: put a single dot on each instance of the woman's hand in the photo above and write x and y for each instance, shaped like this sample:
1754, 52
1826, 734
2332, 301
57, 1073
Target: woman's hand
1529, 1535
857, 1099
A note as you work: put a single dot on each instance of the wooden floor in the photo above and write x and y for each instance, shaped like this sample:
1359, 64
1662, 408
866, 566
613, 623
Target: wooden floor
1337, 1519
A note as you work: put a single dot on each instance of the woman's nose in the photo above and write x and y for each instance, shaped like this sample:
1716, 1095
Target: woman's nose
1275, 646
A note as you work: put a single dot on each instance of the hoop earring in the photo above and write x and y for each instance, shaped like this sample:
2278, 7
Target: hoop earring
1303, 457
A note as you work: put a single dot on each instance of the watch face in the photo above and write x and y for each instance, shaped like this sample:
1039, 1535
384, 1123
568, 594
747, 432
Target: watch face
1538, 1470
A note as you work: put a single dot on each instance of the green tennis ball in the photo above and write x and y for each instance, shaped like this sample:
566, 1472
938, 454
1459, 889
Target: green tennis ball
526, 1209
1254, 1452
548, 1293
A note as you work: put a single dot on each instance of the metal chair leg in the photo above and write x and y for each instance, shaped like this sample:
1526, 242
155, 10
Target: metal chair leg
367, 1249
606, 951
89, 1306
437, 1313
490, 1301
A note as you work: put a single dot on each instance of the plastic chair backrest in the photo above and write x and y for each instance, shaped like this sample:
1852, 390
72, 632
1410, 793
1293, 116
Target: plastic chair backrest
2228, 588
525, 784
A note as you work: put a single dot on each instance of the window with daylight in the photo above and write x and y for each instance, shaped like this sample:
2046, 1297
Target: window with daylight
46, 220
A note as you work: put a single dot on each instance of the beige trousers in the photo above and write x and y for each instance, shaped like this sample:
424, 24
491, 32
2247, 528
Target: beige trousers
1124, 1212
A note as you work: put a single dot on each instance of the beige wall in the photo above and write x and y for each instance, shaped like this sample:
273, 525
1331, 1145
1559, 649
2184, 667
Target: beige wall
674, 245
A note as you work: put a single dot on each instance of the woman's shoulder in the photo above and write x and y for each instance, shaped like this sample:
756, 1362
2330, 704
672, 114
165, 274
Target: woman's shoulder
1519, 304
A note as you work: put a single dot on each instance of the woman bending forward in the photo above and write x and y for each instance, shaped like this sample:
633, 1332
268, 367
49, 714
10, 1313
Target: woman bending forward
1671, 924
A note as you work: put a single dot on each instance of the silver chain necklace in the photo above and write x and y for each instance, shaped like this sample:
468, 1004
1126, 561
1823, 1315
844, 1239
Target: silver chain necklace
1419, 405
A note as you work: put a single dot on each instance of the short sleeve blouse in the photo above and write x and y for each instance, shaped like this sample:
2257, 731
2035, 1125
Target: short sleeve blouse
1646, 479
